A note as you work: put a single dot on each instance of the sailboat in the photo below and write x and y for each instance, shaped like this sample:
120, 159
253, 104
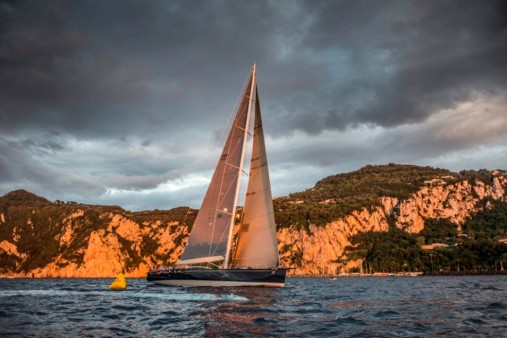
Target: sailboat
220, 252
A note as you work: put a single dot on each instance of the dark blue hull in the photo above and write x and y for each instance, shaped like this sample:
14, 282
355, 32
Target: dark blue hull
219, 277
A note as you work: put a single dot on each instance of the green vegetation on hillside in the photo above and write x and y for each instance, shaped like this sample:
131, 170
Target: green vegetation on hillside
182, 215
22, 197
391, 251
490, 223
439, 230
36, 225
476, 250
337, 196
474, 176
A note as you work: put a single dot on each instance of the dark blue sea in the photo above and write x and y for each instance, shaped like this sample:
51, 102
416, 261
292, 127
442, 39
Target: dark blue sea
465, 306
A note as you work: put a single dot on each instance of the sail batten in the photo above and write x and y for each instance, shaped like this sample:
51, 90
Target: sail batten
209, 259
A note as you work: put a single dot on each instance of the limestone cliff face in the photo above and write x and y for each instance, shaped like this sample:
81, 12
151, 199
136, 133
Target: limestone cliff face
118, 243
316, 251
451, 201
51, 240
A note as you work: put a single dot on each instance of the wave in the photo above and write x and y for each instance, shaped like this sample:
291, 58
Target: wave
198, 297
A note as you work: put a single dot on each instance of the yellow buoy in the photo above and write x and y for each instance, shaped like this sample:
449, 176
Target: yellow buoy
120, 283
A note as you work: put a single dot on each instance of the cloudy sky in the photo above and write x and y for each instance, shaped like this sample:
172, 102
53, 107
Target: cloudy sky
124, 102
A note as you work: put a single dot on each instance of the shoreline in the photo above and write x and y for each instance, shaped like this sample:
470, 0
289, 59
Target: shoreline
343, 275
465, 273
407, 274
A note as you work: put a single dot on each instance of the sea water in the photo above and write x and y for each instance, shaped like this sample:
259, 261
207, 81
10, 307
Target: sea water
465, 306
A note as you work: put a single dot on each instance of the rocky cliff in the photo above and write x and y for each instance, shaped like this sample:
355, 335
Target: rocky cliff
43, 239
40, 238
316, 250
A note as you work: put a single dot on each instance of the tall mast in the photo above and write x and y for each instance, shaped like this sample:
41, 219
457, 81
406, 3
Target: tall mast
231, 228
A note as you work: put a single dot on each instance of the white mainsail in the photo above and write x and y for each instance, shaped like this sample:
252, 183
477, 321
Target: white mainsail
211, 236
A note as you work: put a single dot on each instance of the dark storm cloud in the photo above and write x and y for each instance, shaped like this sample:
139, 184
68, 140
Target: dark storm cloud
52, 77
391, 63
101, 68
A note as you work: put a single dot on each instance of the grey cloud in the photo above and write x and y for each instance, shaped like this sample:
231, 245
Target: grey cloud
105, 68
131, 182
46, 145
100, 68
52, 77
390, 63
27, 171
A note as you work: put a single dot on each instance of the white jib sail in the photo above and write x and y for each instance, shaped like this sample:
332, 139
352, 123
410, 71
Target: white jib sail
257, 246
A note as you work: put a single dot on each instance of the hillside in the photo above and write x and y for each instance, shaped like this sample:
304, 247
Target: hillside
330, 228
337, 196
42, 238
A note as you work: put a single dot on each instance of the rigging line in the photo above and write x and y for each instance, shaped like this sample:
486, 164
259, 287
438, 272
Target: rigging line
236, 167
244, 130
186, 215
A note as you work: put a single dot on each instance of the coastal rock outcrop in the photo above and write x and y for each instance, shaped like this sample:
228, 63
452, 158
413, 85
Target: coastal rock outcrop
318, 250
79, 241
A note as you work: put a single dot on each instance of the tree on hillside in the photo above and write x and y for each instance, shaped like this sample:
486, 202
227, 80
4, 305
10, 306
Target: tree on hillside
439, 230
490, 222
